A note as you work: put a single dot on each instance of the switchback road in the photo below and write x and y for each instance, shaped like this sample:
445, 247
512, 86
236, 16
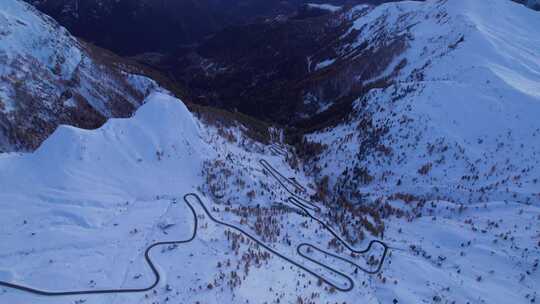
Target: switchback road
307, 208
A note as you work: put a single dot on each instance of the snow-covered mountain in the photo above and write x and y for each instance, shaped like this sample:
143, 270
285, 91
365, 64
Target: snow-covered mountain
86, 205
438, 158
48, 77
449, 123
455, 116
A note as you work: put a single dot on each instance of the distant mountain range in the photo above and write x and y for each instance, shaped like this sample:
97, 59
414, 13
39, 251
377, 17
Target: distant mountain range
135, 26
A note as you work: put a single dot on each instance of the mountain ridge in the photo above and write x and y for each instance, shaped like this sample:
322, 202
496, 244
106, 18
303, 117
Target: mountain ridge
49, 77
423, 127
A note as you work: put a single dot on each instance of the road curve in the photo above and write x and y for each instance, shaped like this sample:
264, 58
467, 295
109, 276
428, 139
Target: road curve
147, 258
278, 150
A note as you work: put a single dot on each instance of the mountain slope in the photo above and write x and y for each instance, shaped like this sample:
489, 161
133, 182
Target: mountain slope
86, 205
457, 120
274, 69
48, 78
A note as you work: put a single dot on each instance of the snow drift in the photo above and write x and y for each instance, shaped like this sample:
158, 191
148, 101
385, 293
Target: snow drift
155, 150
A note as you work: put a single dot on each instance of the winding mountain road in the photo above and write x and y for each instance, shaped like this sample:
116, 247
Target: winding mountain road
307, 208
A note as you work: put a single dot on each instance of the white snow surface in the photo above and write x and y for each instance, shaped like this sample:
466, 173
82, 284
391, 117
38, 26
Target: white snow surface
324, 63
325, 6
124, 148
